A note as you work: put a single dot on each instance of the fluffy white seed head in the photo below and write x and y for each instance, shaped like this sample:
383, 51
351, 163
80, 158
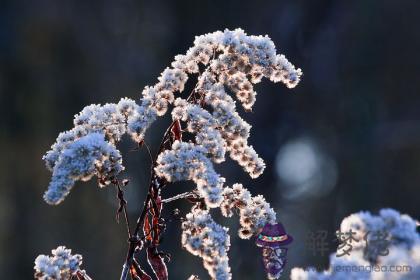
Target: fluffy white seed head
188, 161
233, 129
203, 237
254, 211
203, 125
60, 266
85, 157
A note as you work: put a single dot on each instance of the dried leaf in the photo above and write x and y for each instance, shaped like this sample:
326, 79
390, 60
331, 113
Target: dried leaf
157, 263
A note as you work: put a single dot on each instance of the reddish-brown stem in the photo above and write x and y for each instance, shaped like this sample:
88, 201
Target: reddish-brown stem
155, 185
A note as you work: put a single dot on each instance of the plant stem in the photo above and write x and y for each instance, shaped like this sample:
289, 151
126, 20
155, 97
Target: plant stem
123, 208
178, 196
155, 185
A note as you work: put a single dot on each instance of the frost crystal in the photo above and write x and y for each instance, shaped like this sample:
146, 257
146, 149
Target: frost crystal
404, 248
203, 237
61, 265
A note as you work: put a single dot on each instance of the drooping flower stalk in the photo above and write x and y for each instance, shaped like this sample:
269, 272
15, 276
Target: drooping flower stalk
254, 211
203, 237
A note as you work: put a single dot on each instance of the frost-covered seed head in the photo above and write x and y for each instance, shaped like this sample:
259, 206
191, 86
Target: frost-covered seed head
254, 212
187, 161
60, 266
203, 237
87, 156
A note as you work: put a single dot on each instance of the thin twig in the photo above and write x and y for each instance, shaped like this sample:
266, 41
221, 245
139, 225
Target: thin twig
176, 197
149, 152
123, 208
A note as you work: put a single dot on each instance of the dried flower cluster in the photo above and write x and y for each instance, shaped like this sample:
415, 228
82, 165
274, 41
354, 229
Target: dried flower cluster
224, 62
233, 128
233, 60
87, 156
404, 248
187, 161
203, 237
254, 211
61, 265
202, 123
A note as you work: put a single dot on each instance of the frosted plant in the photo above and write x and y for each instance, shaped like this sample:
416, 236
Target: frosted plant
254, 212
61, 265
400, 228
224, 63
403, 247
203, 237
204, 125
188, 161
87, 156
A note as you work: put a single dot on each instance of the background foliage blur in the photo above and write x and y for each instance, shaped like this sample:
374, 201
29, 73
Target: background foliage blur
346, 139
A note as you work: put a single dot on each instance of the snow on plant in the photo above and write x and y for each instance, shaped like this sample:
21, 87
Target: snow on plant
223, 63
371, 262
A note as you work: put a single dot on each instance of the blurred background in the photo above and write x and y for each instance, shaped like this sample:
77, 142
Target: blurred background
346, 139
